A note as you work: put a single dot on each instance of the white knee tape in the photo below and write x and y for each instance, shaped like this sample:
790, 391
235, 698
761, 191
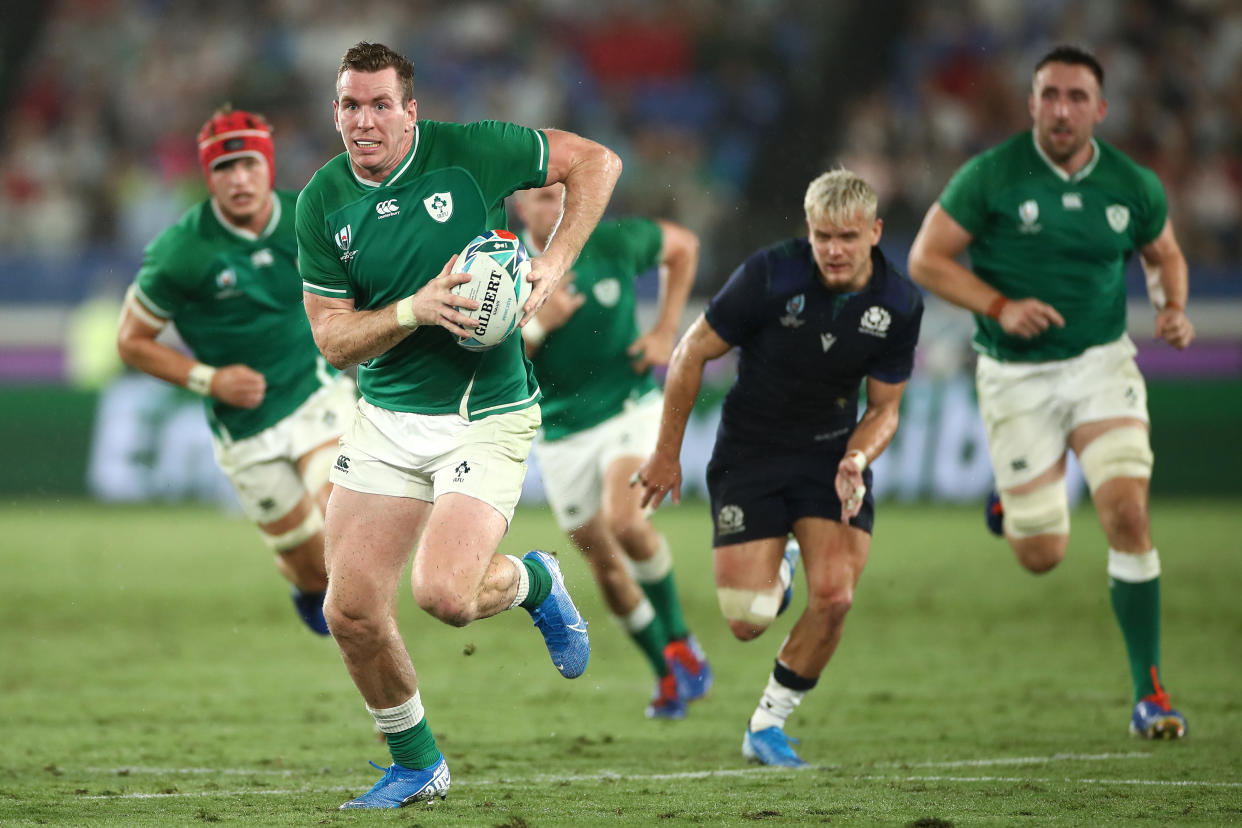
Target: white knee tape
1044, 511
752, 606
656, 567
1118, 452
298, 535
317, 468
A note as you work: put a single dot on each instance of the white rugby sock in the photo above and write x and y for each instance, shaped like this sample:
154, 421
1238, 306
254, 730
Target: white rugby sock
774, 708
639, 618
399, 718
654, 569
523, 587
1133, 569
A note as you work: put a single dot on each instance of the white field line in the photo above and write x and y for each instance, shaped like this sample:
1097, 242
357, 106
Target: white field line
1187, 783
607, 776
126, 770
1020, 760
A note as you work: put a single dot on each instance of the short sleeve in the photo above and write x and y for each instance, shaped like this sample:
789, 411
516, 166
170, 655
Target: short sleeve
505, 157
896, 363
157, 286
734, 312
318, 260
965, 196
1157, 208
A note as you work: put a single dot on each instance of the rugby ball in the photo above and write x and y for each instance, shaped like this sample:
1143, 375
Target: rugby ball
498, 265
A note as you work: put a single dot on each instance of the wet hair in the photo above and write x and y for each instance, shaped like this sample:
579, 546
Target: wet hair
838, 195
1074, 56
376, 57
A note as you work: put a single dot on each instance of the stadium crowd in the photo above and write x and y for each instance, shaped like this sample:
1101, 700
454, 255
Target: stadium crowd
697, 102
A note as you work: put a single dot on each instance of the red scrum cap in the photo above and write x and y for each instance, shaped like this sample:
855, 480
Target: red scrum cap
235, 134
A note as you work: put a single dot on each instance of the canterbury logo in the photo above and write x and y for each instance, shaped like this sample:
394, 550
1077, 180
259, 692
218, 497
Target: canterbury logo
387, 208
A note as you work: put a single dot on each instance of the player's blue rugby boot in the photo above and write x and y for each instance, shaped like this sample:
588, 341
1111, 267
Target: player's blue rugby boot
789, 566
687, 663
400, 786
771, 746
994, 515
666, 701
1155, 718
563, 627
310, 609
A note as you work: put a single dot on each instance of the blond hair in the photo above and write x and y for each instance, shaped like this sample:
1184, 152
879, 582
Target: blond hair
838, 196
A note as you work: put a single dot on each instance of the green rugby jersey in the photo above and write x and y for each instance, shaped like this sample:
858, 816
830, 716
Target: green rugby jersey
583, 369
236, 297
377, 243
1065, 240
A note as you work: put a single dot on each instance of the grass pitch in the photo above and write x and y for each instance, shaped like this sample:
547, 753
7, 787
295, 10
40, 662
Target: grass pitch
154, 673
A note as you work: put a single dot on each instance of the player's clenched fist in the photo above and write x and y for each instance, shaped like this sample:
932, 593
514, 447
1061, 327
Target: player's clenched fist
239, 385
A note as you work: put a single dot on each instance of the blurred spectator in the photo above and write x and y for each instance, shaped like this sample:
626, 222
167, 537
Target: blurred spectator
706, 100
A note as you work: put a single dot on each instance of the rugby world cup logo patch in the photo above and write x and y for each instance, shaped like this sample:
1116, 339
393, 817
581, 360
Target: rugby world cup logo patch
344, 236
793, 308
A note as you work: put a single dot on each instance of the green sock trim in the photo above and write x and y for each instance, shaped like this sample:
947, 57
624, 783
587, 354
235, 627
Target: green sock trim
414, 748
540, 583
663, 596
652, 639
1137, 607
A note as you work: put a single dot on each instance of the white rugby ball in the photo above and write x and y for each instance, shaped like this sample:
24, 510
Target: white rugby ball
498, 265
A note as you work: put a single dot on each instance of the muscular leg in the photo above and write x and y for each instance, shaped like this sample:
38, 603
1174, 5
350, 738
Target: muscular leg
604, 555
368, 540
303, 564
747, 569
833, 557
1040, 553
457, 576
1121, 503
643, 544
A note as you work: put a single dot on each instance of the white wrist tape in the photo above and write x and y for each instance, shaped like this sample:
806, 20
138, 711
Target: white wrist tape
534, 333
858, 458
199, 380
405, 313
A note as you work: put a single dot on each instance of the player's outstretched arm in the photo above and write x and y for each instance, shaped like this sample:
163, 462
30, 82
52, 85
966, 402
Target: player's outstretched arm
238, 385
1168, 285
661, 474
933, 264
871, 436
347, 336
679, 259
589, 172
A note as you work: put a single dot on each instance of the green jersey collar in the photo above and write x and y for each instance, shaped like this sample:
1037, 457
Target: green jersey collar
395, 174
246, 234
1062, 174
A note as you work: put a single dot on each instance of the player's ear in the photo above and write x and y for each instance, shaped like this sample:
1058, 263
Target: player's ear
411, 114
336, 120
1102, 110
877, 231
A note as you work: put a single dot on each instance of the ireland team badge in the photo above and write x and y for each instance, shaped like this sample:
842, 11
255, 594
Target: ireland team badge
439, 206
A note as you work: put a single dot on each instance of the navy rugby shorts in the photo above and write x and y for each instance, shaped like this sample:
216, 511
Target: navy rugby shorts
758, 492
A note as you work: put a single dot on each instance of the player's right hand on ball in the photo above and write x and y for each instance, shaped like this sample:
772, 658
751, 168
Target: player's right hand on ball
658, 477
1028, 318
436, 304
239, 385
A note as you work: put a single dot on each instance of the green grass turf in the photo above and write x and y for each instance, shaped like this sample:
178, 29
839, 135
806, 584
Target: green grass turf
154, 674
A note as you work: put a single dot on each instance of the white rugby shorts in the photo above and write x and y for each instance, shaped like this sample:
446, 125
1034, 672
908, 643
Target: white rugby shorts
1030, 408
263, 468
423, 456
573, 467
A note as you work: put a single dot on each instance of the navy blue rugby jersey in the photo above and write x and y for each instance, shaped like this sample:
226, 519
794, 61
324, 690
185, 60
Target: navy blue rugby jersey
804, 350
